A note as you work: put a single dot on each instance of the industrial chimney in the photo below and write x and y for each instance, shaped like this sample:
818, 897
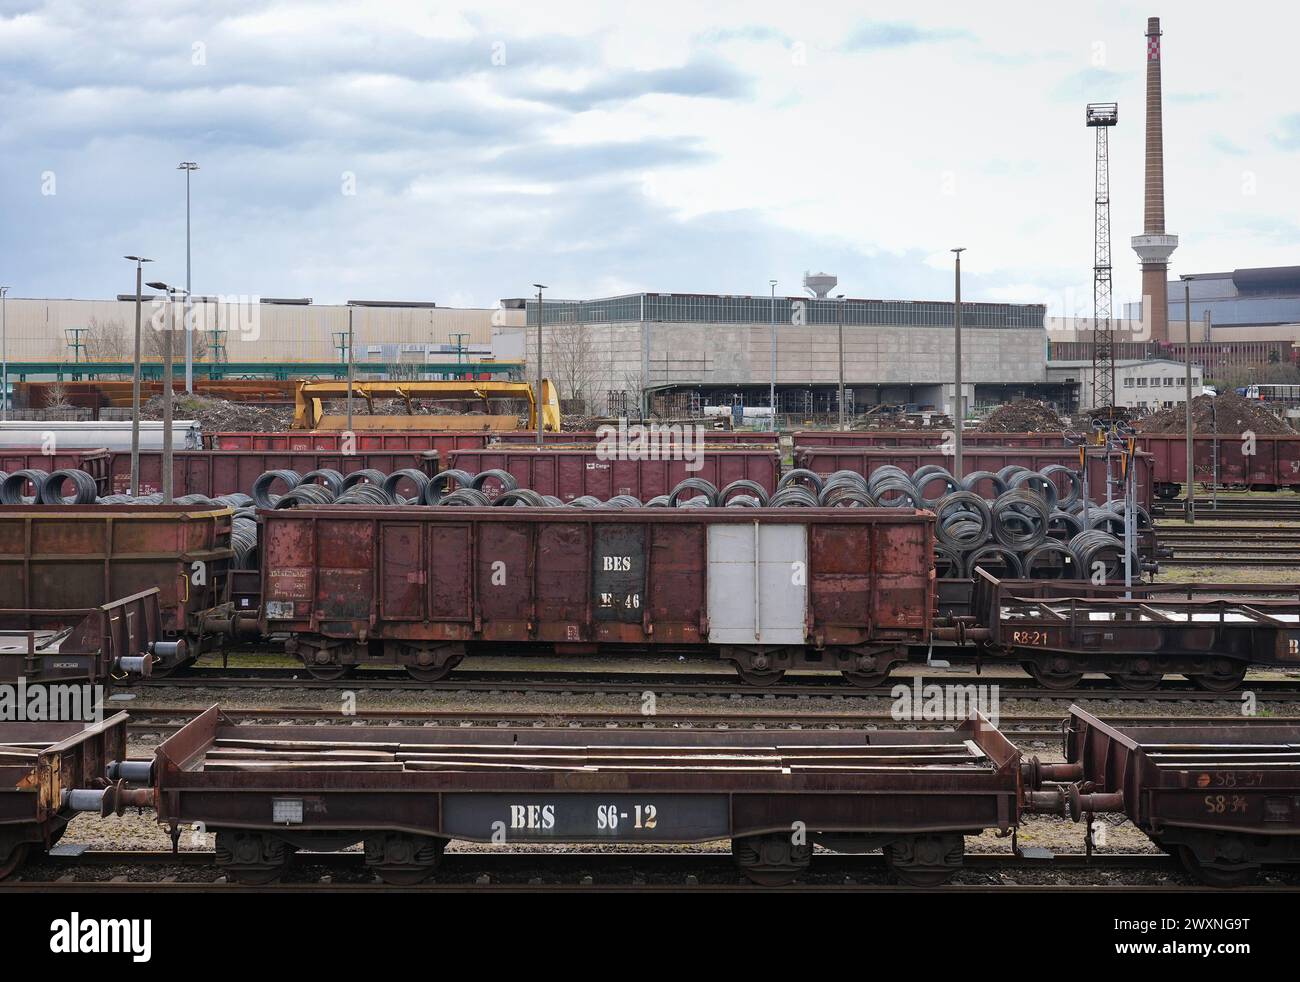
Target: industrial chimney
1154, 247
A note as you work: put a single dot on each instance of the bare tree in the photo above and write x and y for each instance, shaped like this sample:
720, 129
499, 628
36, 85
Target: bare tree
106, 341
572, 362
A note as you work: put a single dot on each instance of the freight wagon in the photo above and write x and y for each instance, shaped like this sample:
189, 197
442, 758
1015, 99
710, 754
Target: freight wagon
1102, 468
94, 462
934, 439
404, 792
64, 557
568, 474
1224, 799
767, 589
738, 438
41, 764
216, 472
359, 441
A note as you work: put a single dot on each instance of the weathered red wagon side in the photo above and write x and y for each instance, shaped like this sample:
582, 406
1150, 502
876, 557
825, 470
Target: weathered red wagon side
768, 589
933, 439
359, 441
568, 474
215, 472
94, 462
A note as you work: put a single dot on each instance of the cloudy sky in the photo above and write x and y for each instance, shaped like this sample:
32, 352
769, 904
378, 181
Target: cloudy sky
460, 153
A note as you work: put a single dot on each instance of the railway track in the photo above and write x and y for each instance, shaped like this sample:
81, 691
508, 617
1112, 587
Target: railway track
166, 719
143, 872
666, 683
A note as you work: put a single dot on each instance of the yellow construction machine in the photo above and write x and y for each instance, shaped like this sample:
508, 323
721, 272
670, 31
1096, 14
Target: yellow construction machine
309, 399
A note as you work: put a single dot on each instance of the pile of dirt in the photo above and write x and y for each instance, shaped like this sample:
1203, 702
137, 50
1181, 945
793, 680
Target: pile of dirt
1228, 412
215, 415
1022, 416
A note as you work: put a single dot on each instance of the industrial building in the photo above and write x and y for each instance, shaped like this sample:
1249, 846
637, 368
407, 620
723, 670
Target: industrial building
234, 335
616, 352
1147, 384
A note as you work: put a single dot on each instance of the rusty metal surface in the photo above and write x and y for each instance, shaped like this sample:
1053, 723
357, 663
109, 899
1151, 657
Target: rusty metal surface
215, 472
568, 474
932, 439
1227, 778
459, 783
471, 574
59, 556
361, 441
38, 762
87, 642
866, 460
94, 462
731, 438
1250, 624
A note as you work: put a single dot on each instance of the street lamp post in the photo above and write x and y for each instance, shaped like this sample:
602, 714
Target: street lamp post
351, 348
959, 413
170, 325
540, 403
4, 355
840, 400
772, 384
188, 166
1190, 503
135, 379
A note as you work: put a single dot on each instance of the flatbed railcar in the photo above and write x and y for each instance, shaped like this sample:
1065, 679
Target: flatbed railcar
1058, 630
404, 792
767, 589
93, 645
41, 765
1224, 799
358, 441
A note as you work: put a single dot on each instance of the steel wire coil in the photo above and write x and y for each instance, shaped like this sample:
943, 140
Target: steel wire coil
84, 489
1020, 519
11, 490
750, 488
416, 477
261, 489
1049, 560
995, 559
801, 476
700, 486
441, 483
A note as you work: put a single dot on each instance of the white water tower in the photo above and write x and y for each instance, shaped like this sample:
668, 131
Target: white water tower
819, 284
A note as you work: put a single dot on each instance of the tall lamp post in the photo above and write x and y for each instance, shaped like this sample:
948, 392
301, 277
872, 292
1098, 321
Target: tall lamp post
540, 403
4, 355
772, 384
840, 399
960, 411
169, 331
188, 166
135, 378
1190, 504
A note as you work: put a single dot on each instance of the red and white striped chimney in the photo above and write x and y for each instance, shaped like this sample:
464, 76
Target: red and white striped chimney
1154, 247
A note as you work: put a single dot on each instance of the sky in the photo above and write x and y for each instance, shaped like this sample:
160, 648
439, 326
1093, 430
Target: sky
462, 153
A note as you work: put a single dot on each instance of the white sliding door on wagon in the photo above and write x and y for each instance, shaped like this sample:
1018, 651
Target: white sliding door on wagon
763, 601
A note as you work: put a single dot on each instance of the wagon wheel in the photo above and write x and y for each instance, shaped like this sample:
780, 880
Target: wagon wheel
17, 856
329, 673
1135, 683
770, 860
431, 673
866, 680
1220, 682
1242, 874
1052, 680
922, 876
753, 676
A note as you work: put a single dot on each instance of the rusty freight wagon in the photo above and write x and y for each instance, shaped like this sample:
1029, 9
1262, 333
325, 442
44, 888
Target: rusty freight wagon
865, 460
216, 472
406, 791
712, 437
845, 589
359, 441
95, 644
1058, 630
569, 474
94, 462
933, 439
61, 557
1225, 799
42, 765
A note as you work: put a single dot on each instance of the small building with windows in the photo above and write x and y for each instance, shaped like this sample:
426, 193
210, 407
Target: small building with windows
1151, 384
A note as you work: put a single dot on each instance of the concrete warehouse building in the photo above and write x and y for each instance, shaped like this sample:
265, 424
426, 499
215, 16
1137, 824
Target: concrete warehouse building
262, 331
1146, 384
717, 350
